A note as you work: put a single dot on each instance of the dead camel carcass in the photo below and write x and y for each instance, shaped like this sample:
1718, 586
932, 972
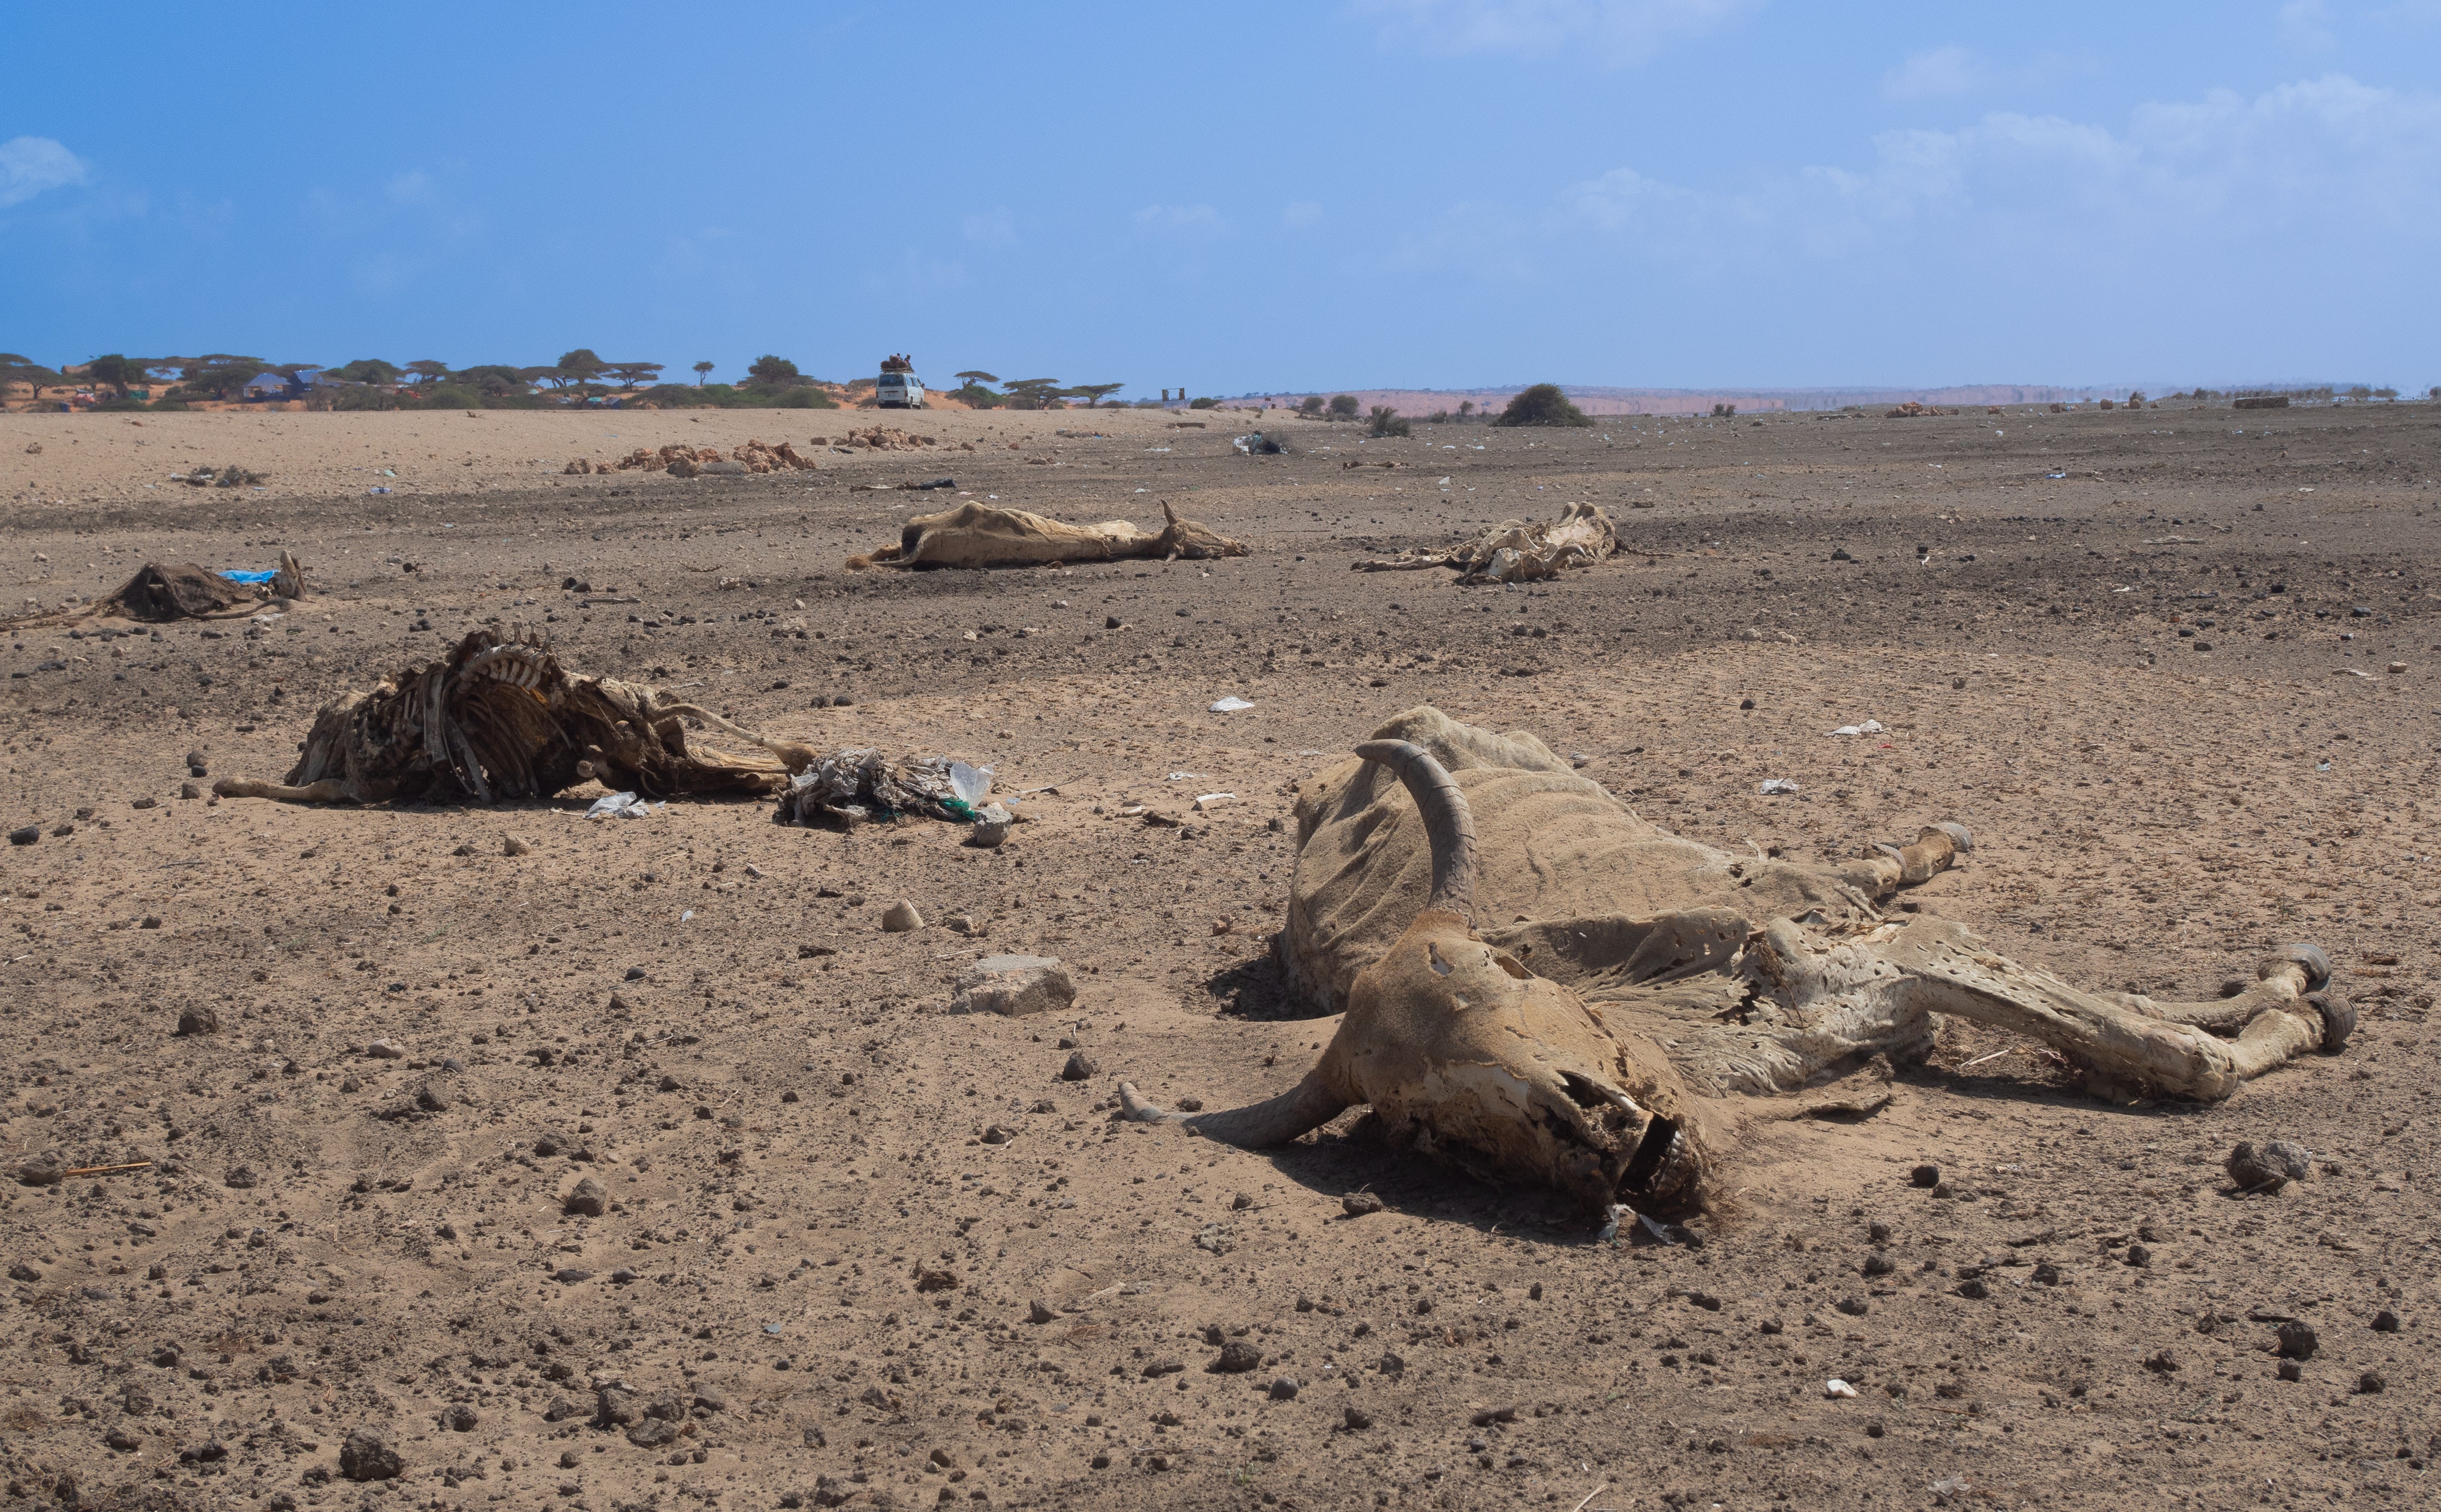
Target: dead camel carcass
181, 590
1601, 1041
499, 718
1514, 552
987, 535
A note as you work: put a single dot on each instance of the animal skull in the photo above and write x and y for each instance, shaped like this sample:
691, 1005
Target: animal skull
1605, 1041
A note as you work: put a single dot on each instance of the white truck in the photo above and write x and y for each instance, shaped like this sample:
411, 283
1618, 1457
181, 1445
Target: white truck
898, 388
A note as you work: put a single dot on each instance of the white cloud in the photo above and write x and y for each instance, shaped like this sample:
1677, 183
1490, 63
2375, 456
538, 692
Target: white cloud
1928, 75
1195, 221
2303, 25
2329, 160
992, 227
1612, 31
30, 165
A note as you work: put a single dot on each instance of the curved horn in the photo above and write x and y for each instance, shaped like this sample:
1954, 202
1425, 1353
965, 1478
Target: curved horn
1447, 822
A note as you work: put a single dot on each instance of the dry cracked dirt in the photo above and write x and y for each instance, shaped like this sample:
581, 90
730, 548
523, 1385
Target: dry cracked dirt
2175, 666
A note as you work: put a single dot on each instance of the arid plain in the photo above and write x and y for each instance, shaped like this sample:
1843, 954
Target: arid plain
2175, 666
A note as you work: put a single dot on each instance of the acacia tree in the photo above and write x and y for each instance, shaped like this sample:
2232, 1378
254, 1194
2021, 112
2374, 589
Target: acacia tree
580, 368
700, 368
1094, 393
117, 373
1032, 393
768, 371
428, 372
634, 375
1342, 407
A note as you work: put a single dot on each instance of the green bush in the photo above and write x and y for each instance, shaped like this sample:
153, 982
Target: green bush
1342, 407
805, 399
1542, 404
1208, 401
1385, 421
165, 403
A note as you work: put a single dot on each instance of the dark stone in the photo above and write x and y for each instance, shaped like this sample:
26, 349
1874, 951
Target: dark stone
1237, 1357
588, 1197
1926, 1177
2298, 1340
1081, 1068
1357, 1204
368, 1455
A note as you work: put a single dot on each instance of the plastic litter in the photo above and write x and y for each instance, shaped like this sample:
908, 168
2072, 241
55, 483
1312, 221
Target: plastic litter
238, 575
1772, 786
687, 915
384, 491
1836, 1388
623, 806
857, 784
1871, 726
1230, 705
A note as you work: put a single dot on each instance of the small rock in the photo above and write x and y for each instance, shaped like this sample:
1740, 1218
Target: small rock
26, 836
1237, 1357
385, 1050
462, 1418
1164, 1366
368, 1455
2290, 1370
1037, 1312
46, 1169
1081, 1068
1878, 1264
1240, 1202
1973, 1289
588, 1197
1284, 1389
2163, 1362
22, 1272
990, 828
146, 802
190, 790
2298, 1340
1014, 986
515, 846
1356, 1419
653, 1432
635, 974
1926, 1177
1109, 621
2269, 1168
2385, 1322
1853, 1306
1357, 1204
240, 1177
999, 1134
199, 1021
2371, 1383
570, 1275
900, 917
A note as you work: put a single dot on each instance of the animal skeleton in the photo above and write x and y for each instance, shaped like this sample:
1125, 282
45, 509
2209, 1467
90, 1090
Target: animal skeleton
1668, 977
496, 718
1514, 552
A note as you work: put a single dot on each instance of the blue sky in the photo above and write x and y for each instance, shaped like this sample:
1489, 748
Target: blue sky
1691, 193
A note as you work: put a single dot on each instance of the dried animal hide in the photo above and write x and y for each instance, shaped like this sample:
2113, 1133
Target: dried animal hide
181, 590
498, 718
985, 535
1514, 552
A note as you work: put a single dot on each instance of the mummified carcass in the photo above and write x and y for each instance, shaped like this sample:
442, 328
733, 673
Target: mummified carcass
498, 718
1514, 552
158, 594
985, 535
1597, 1039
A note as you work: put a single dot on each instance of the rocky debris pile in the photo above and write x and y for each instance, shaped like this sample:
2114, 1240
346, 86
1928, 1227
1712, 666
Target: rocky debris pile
1911, 410
694, 462
759, 458
881, 438
1015, 987
230, 475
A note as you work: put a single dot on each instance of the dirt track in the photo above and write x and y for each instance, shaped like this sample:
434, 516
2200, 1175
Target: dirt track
2157, 686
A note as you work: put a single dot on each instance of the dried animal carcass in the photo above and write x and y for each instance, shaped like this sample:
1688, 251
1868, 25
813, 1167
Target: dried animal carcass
849, 787
984, 535
1514, 552
498, 718
1599, 1039
158, 594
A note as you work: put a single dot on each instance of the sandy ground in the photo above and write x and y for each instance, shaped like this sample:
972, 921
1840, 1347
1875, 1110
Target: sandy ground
2157, 686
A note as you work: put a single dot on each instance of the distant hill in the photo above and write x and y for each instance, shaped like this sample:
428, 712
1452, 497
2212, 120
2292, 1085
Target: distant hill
1595, 400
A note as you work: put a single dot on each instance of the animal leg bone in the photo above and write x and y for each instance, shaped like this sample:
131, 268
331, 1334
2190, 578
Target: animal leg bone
1936, 848
1937, 967
329, 790
1275, 1120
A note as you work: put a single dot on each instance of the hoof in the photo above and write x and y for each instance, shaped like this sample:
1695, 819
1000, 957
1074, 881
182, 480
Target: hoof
1959, 835
2339, 1020
2317, 965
